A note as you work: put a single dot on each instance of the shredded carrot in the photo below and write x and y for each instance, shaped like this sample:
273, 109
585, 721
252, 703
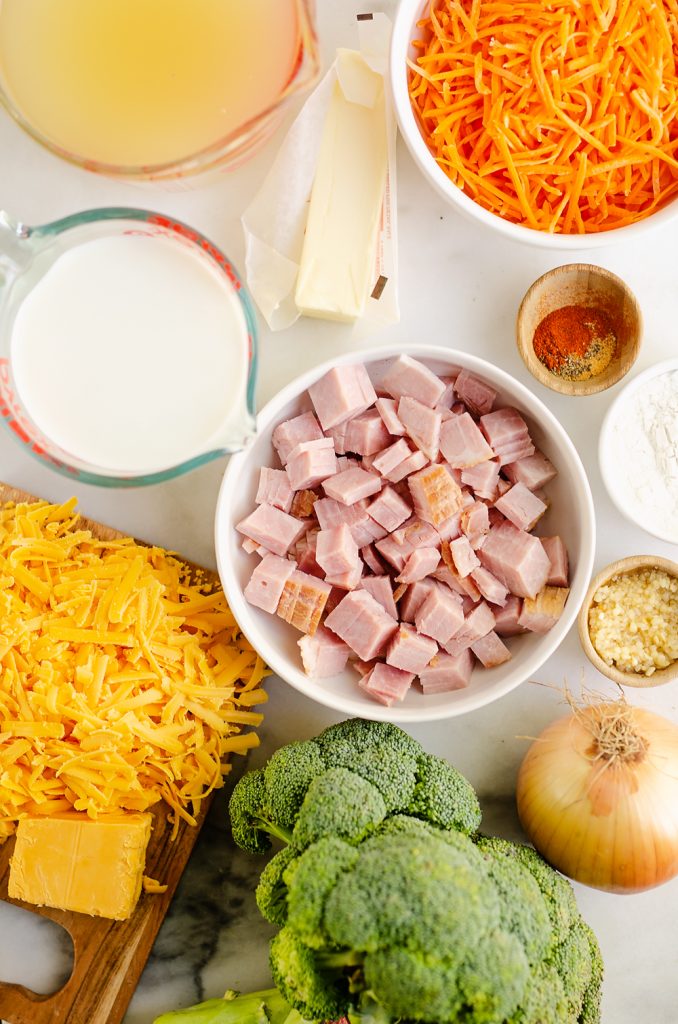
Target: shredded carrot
560, 115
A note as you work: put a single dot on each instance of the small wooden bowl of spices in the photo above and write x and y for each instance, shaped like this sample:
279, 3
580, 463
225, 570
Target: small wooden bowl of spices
579, 329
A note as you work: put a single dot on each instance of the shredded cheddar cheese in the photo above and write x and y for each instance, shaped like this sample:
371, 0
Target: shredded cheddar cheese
123, 681
556, 114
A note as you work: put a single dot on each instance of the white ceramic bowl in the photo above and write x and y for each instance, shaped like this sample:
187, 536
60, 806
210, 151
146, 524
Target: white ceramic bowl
404, 30
608, 458
571, 515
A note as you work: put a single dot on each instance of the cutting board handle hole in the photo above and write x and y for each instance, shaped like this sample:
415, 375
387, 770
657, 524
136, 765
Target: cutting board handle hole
51, 959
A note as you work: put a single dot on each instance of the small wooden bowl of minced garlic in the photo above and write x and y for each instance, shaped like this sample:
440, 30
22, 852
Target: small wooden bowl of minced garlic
579, 329
628, 623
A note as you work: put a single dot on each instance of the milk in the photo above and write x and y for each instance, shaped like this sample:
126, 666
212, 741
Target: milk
131, 354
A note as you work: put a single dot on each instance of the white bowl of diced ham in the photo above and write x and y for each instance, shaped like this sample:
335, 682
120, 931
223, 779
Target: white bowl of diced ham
408, 537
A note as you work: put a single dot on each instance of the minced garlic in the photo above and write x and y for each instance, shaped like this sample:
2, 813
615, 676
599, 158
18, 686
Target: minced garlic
633, 621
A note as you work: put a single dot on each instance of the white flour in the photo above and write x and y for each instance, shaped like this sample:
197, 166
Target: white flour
645, 452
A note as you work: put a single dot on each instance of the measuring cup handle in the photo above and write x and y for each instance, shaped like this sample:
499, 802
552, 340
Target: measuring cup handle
14, 249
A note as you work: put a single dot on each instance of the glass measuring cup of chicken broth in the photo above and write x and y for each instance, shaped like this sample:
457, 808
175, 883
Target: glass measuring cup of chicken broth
127, 346
153, 89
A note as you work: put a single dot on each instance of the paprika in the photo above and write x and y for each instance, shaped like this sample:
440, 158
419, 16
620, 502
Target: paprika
575, 342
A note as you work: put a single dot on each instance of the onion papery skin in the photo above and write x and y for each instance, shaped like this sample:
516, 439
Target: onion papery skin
612, 826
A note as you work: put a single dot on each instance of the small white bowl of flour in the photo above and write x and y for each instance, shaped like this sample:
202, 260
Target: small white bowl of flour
638, 451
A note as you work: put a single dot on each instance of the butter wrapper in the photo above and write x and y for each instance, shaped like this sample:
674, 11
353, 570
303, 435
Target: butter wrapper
275, 221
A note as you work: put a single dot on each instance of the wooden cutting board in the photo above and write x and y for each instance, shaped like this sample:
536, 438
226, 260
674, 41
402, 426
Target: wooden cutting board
109, 956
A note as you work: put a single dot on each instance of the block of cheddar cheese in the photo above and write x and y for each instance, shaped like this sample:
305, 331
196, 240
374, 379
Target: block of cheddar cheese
73, 862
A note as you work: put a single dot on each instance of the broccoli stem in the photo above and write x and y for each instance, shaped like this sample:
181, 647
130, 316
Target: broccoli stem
273, 829
332, 961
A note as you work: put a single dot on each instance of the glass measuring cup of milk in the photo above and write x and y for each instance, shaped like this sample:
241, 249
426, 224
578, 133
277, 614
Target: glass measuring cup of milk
154, 89
127, 346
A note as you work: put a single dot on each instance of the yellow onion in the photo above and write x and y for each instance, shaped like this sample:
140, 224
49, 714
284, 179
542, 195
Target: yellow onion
598, 796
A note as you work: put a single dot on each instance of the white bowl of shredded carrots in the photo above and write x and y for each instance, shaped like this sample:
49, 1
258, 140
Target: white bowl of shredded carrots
555, 125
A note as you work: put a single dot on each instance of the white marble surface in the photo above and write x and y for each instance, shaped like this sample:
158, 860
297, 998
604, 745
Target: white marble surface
460, 286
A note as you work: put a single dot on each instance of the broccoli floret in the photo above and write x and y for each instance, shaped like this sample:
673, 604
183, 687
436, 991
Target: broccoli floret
338, 803
287, 777
401, 980
523, 908
403, 824
556, 890
444, 797
358, 735
271, 892
543, 1001
407, 892
250, 823
317, 994
572, 961
310, 879
590, 1013
493, 979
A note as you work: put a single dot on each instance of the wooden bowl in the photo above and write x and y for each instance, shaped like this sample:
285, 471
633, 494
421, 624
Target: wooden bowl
624, 565
581, 284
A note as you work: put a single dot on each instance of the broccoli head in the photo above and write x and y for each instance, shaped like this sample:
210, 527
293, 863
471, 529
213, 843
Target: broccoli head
382, 767
392, 907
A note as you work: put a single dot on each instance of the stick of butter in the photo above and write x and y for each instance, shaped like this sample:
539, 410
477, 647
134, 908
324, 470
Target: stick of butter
338, 256
72, 862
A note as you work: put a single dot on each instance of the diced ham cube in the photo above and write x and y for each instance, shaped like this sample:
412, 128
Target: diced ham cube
366, 434
475, 393
344, 462
534, 471
389, 509
489, 586
448, 575
464, 557
269, 526
352, 485
541, 613
409, 650
417, 460
559, 574
504, 429
382, 591
387, 409
372, 560
267, 581
387, 460
422, 425
475, 522
363, 668
386, 684
250, 546
483, 479
338, 435
450, 529
323, 654
362, 623
477, 624
408, 377
310, 463
420, 564
413, 598
521, 507
418, 534
343, 392
435, 495
502, 487
274, 489
446, 400
302, 504
447, 672
289, 434
522, 450
348, 580
490, 650
516, 558
306, 560
440, 615
303, 601
337, 552
506, 618
462, 443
